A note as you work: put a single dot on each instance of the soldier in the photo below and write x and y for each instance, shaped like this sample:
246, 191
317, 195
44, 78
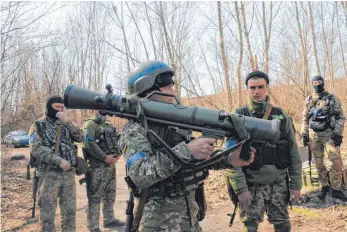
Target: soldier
100, 149
264, 185
322, 129
172, 201
55, 166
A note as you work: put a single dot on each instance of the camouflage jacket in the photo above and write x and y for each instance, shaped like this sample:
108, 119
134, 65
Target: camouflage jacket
42, 142
100, 140
146, 167
329, 103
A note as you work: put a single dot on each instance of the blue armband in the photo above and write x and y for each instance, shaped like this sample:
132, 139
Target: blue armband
133, 158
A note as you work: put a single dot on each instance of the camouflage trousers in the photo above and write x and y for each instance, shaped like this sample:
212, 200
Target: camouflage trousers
101, 188
171, 214
320, 146
272, 199
58, 185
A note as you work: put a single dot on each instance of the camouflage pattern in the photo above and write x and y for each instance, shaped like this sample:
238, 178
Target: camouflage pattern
321, 145
100, 141
334, 111
42, 146
321, 142
180, 212
56, 185
272, 199
101, 187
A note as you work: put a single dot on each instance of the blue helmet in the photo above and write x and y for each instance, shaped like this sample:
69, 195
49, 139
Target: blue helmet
145, 75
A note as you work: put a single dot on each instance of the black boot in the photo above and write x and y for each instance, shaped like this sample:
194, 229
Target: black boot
323, 193
338, 194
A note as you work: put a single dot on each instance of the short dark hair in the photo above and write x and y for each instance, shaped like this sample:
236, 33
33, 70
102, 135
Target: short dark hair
258, 74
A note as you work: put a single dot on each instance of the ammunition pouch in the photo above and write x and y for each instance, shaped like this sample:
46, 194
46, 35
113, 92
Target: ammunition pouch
201, 201
317, 126
282, 160
267, 154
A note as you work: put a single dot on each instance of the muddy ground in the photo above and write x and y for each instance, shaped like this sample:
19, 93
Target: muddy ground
309, 214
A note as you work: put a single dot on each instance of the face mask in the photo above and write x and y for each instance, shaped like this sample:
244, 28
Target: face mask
319, 88
50, 111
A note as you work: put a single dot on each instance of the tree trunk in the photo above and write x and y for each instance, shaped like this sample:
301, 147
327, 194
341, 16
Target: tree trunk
224, 58
314, 39
239, 66
246, 32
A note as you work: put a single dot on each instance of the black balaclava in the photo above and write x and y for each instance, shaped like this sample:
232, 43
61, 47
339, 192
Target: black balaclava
318, 88
50, 111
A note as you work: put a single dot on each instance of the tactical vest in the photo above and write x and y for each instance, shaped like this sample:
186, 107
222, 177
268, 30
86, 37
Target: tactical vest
267, 154
48, 134
183, 180
319, 113
106, 139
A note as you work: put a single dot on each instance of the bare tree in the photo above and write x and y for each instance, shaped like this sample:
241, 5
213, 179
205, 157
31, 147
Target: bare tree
314, 39
340, 41
239, 66
224, 57
246, 32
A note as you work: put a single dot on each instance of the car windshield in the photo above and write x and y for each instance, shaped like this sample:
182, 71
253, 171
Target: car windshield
19, 133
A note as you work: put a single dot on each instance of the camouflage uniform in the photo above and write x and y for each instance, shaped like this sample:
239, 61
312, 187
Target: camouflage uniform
171, 203
266, 178
320, 129
57, 183
100, 141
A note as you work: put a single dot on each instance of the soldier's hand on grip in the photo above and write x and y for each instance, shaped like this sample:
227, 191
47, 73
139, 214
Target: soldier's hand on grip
65, 165
235, 160
201, 148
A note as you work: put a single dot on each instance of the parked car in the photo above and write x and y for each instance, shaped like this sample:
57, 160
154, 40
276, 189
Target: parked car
19, 138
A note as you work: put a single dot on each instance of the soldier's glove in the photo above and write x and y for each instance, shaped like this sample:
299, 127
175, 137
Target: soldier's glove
337, 139
305, 139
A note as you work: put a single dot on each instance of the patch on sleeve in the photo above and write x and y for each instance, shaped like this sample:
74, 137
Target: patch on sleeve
32, 137
133, 158
87, 137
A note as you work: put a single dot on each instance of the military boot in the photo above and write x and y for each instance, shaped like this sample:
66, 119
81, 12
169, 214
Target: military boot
323, 193
115, 223
338, 194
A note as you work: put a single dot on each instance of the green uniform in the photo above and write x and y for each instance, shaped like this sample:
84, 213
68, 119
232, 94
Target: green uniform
266, 177
100, 141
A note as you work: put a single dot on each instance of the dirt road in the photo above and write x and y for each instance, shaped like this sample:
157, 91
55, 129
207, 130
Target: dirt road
16, 203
